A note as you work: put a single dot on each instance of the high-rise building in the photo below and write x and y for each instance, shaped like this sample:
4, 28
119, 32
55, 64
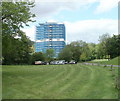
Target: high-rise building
50, 35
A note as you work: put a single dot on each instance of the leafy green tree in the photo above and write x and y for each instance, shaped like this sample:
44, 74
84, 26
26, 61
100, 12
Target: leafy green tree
92, 50
108, 46
14, 16
38, 56
102, 50
98, 51
25, 50
113, 46
82, 48
49, 55
104, 37
74, 50
66, 54
17, 51
83, 56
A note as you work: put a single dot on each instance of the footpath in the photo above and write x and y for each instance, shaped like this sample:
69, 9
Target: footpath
98, 64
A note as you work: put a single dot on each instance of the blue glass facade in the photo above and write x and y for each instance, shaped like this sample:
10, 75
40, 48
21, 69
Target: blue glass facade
50, 35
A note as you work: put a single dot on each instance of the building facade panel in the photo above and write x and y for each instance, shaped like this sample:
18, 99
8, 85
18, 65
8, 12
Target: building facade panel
50, 35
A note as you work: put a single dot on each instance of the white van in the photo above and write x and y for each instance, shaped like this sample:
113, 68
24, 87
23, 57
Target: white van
61, 62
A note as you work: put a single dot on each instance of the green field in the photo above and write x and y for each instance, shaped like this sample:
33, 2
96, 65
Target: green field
58, 82
114, 61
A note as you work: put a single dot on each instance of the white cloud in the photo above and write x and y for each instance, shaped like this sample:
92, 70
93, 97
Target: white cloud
106, 5
46, 8
65, 0
86, 30
90, 30
49, 9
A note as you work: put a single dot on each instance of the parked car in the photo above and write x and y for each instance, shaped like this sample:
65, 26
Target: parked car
61, 62
54, 62
57, 62
72, 62
66, 62
44, 63
40, 63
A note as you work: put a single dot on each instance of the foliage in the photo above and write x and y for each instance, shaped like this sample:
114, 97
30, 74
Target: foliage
109, 46
49, 55
38, 56
102, 49
71, 52
65, 54
14, 16
74, 51
113, 45
16, 50
92, 50
83, 56
15, 44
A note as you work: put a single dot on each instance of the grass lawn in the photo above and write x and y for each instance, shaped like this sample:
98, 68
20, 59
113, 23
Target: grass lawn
106, 61
58, 82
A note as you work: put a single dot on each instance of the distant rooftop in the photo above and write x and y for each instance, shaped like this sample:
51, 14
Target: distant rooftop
50, 23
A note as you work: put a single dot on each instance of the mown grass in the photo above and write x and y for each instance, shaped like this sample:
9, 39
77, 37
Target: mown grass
114, 61
58, 82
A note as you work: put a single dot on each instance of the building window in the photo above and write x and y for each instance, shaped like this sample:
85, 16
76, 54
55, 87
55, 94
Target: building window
50, 26
50, 30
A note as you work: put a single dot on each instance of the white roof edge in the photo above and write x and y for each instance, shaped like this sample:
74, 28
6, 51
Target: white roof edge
51, 23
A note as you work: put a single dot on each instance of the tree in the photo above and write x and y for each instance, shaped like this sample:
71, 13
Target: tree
66, 54
82, 48
108, 46
38, 56
104, 37
102, 45
83, 56
25, 50
74, 50
14, 16
17, 51
101, 52
113, 46
49, 54
92, 50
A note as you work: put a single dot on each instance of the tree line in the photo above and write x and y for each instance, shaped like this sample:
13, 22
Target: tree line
107, 48
17, 48
81, 51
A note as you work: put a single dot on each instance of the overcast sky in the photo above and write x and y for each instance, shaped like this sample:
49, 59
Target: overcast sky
84, 19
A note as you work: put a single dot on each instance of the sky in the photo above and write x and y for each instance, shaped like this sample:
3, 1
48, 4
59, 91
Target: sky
84, 19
